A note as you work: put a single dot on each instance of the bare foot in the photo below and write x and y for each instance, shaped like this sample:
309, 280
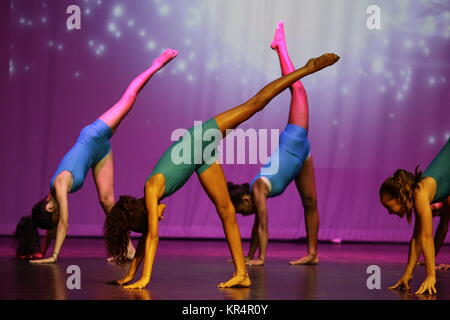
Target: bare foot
255, 262
279, 39
321, 62
165, 58
306, 260
238, 280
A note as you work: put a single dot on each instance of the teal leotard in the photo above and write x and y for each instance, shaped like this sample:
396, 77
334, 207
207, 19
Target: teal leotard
439, 169
201, 155
292, 151
91, 147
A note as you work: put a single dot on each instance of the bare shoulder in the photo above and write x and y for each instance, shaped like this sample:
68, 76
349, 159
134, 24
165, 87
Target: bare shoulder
260, 189
156, 179
63, 180
427, 188
155, 185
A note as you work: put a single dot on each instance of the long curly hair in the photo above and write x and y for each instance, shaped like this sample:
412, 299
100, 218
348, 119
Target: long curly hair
128, 214
401, 187
237, 192
26, 235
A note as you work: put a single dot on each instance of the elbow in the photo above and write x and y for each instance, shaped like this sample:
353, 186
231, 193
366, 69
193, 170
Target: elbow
426, 237
262, 227
153, 237
64, 224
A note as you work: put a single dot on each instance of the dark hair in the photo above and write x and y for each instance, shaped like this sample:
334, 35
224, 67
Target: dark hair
41, 217
401, 187
127, 214
237, 192
26, 235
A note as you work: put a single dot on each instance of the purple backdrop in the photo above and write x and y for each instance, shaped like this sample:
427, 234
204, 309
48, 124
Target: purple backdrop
383, 106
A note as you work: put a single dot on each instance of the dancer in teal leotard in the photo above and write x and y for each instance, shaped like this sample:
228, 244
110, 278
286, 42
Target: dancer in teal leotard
294, 163
91, 151
428, 193
169, 176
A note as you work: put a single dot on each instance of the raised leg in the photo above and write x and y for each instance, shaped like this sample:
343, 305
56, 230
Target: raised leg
214, 183
298, 112
306, 186
117, 113
232, 118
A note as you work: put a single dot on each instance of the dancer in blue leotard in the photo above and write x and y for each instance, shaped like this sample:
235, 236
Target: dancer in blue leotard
91, 151
294, 162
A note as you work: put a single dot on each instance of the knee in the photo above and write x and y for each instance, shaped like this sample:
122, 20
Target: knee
107, 201
260, 101
226, 212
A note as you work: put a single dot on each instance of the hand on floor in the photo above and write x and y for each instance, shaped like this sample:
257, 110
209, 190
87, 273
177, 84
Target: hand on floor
402, 283
141, 284
124, 280
443, 267
428, 286
41, 261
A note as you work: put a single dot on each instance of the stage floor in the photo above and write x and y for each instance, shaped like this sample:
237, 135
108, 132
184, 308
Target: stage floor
192, 269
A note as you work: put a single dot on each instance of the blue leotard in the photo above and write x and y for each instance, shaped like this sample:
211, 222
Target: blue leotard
439, 169
91, 147
292, 151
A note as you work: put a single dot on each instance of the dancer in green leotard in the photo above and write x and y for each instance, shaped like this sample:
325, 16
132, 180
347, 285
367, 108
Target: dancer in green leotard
429, 195
168, 177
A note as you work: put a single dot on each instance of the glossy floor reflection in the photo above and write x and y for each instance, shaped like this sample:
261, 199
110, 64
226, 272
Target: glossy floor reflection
192, 269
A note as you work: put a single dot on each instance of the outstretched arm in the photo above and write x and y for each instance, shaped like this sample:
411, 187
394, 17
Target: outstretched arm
49, 237
254, 244
138, 257
413, 257
424, 214
153, 192
262, 229
61, 189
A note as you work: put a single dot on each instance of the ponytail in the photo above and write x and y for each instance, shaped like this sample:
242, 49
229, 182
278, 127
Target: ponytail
401, 186
26, 237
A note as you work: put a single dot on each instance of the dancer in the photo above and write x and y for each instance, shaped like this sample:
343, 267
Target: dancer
428, 194
92, 150
167, 177
295, 163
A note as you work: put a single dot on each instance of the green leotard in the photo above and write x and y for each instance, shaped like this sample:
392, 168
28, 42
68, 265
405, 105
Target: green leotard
439, 169
202, 154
